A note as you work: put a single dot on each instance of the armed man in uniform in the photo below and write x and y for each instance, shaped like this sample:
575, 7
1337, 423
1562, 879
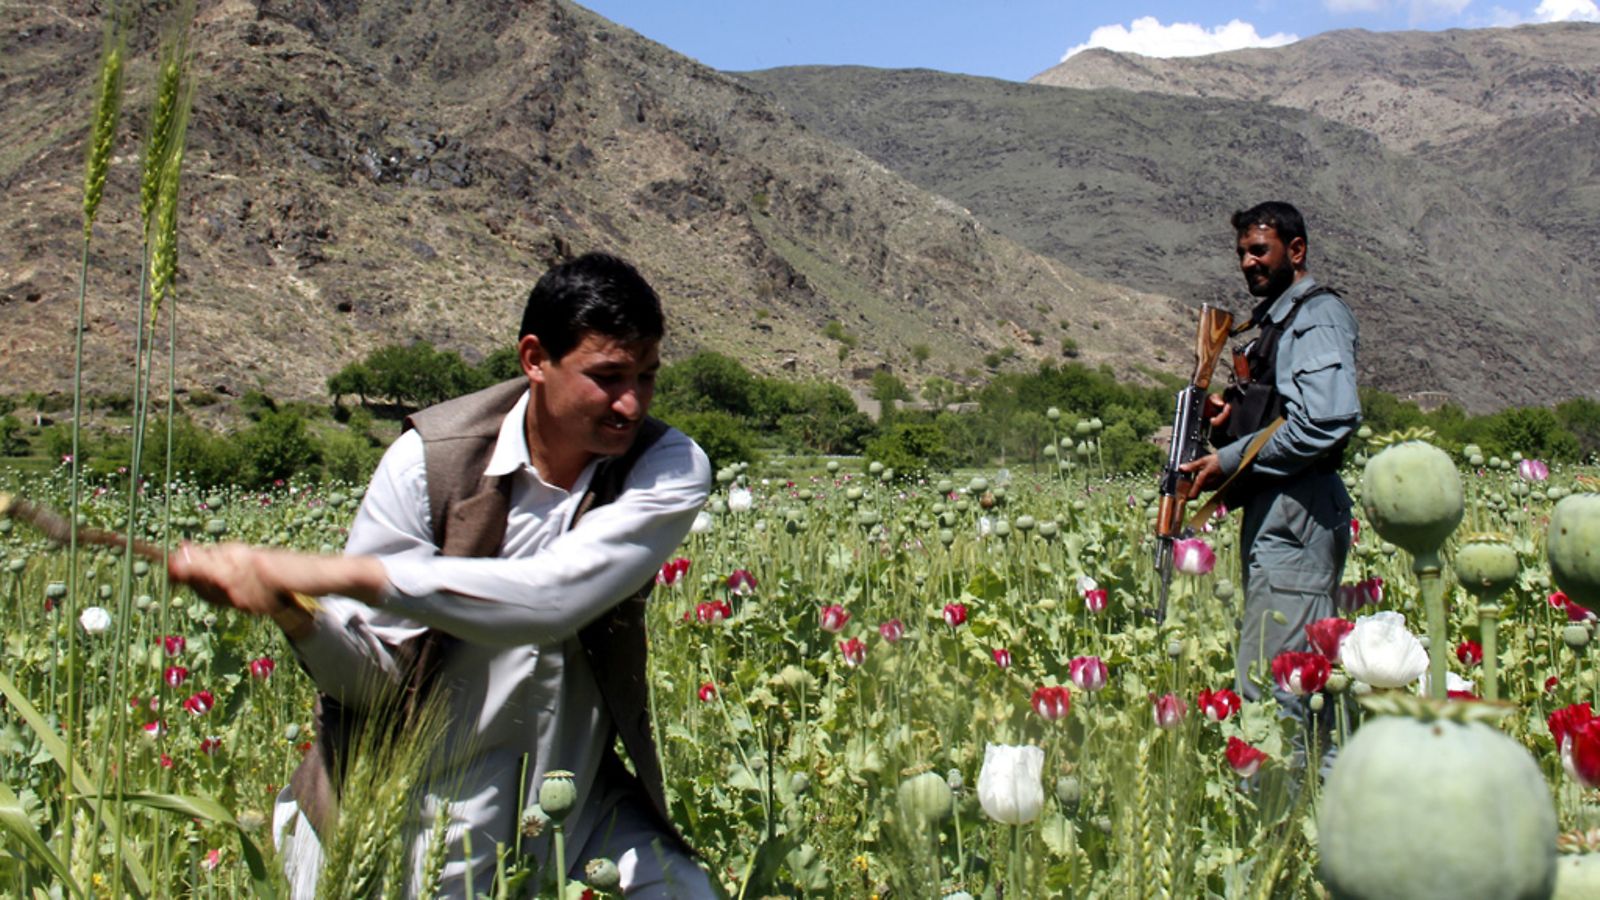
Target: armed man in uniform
1296, 512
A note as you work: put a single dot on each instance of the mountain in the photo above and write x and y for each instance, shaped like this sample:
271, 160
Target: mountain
1451, 182
360, 174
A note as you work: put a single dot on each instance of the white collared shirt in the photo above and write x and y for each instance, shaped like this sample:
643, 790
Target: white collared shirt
514, 688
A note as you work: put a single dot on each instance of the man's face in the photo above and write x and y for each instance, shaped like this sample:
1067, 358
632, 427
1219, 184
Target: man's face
597, 395
1268, 264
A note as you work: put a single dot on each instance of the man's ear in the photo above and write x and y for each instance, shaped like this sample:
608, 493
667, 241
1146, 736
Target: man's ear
1297, 252
530, 353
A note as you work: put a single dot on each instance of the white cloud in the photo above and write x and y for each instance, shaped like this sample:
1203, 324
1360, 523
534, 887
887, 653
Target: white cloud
1566, 11
1353, 6
1146, 36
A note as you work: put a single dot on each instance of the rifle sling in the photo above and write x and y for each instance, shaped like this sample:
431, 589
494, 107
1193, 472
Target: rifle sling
1250, 451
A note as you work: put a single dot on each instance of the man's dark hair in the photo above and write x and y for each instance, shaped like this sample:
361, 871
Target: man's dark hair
1275, 214
596, 292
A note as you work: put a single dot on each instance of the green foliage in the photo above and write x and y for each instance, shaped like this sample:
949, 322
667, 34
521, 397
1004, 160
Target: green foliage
1581, 417
723, 437
12, 443
211, 460
417, 375
707, 382
349, 456
940, 391
911, 449
1125, 451
888, 389
277, 446
501, 365
920, 352
819, 416
256, 404
835, 331
1533, 431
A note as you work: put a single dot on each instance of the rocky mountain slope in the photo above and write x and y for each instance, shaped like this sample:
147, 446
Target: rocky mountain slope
1451, 181
363, 174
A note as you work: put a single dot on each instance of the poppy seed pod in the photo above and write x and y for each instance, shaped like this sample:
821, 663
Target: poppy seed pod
1573, 544
1425, 809
557, 794
1412, 496
602, 874
925, 799
1486, 566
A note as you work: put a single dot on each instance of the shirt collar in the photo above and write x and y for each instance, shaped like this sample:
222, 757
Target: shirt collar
511, 448
1278, 309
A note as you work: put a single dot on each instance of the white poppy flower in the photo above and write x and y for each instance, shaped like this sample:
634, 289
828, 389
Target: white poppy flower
1011, 783
1382, 652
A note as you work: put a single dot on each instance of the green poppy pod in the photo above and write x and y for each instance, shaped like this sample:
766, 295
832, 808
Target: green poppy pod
1411, 493
1436, 809
1486, 566
1573, 544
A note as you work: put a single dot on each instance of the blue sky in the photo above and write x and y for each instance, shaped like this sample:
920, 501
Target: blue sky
1016, 39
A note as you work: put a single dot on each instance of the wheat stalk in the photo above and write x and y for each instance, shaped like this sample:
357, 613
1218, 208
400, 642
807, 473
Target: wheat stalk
103, 132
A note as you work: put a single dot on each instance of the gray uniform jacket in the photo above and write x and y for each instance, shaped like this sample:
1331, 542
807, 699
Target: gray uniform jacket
1296, 523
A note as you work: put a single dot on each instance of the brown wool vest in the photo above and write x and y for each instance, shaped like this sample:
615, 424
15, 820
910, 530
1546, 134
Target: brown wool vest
468, 511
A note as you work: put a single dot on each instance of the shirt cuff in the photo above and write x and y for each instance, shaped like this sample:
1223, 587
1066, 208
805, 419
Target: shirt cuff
1231, 456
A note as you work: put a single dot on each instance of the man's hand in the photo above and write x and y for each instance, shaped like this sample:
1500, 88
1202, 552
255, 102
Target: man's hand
1217, 410
1204, 473
263, 582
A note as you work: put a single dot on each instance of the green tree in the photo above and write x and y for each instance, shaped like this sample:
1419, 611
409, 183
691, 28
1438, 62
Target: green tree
12, 443
277, 446
823, 418
724, 438
1534, 431
355, 378
707, 382
1581, 417
911, 449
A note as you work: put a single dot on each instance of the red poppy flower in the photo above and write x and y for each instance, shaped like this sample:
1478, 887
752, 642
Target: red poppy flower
713, 611
1470, 653
175, 675
1327, 634
173, 644
672, 571
1002, 657
1244, 758
210, 745
955, 614
1580, 753
261, 668
1300, 673
1170, 710
832, 619
1052, 703
853, 651
892, 630
1563, 721
200, 703
1095, 601
708, 692
1218, 705
741, 582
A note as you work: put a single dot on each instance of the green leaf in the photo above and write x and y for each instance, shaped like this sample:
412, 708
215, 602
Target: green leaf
57, 749
207, 808
15, 820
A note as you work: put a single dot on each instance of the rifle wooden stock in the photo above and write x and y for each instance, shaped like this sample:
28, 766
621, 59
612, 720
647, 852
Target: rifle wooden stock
1215, 327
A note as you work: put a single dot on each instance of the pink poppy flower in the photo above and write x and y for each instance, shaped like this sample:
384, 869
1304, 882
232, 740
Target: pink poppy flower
261, 668
1052, 703
175, 675
174, 644
1327, 634
1300, 673
1170, 710
1088, 673
1193, 556
955, 614
154, 729
166, 761
1244, 758
1218, 705
1533, 470
853, 651
1002, 657
832, 619
892, 630
1095, 601
212, 860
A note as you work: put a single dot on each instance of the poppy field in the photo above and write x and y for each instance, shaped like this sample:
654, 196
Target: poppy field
862, 685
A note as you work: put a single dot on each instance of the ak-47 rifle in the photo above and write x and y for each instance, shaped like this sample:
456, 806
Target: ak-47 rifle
1191, 429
